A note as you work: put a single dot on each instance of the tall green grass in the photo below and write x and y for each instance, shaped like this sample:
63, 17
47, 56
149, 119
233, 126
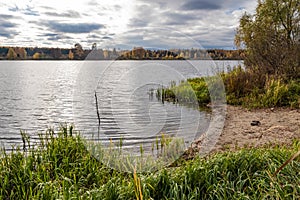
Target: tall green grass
276, 93
193, 91
250, 89
246, 88
60, 167
163, 151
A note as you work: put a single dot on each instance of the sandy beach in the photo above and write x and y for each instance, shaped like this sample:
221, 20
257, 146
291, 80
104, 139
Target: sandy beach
277, 126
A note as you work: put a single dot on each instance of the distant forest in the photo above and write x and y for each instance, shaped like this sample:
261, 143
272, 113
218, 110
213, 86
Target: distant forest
137, 53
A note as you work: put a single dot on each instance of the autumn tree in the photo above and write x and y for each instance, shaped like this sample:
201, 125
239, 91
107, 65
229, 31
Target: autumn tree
70, 55
78, 53
36, 56
11, 54
271, 38
56, 53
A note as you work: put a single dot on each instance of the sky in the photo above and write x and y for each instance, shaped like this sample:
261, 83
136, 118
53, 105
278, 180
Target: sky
124, 24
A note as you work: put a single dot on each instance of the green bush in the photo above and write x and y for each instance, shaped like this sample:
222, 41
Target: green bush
187, 92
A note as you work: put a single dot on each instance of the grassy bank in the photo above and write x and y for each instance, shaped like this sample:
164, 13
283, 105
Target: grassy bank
61, 168
247, 88
252, 89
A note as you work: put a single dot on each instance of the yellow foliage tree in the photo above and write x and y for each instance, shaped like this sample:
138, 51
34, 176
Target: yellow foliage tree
71, 55
36, 56
11, 54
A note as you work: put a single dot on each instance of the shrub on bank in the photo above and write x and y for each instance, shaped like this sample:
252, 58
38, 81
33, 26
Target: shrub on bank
242, 87
251, 89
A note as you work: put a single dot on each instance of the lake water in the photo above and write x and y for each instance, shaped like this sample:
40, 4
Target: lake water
36, 95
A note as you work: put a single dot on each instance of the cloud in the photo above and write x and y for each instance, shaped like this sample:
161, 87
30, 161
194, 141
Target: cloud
93, 36
223, 6
49, 35
30, 11
14, 9
178, 18
27, 10
117, 7
138, 22
73, 28
6, 17
93, 3
6, 34
201, 5
58, 37
47, 7
106, 38
6, 26
212, 23
54, 36
9, 34
161, 4
69, 14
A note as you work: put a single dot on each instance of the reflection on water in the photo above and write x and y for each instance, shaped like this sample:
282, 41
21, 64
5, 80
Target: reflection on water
36, 95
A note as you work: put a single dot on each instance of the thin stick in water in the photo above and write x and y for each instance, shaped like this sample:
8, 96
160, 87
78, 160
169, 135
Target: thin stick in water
98, 115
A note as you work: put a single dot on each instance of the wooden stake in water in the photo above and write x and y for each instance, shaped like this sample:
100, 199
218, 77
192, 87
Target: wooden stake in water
98, 115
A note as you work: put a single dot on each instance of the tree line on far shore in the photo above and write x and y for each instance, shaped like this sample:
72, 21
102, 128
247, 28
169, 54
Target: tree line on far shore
137, 53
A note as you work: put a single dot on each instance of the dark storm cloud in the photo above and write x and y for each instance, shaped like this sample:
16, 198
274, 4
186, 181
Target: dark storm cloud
69, 13
201, 5
73, 28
